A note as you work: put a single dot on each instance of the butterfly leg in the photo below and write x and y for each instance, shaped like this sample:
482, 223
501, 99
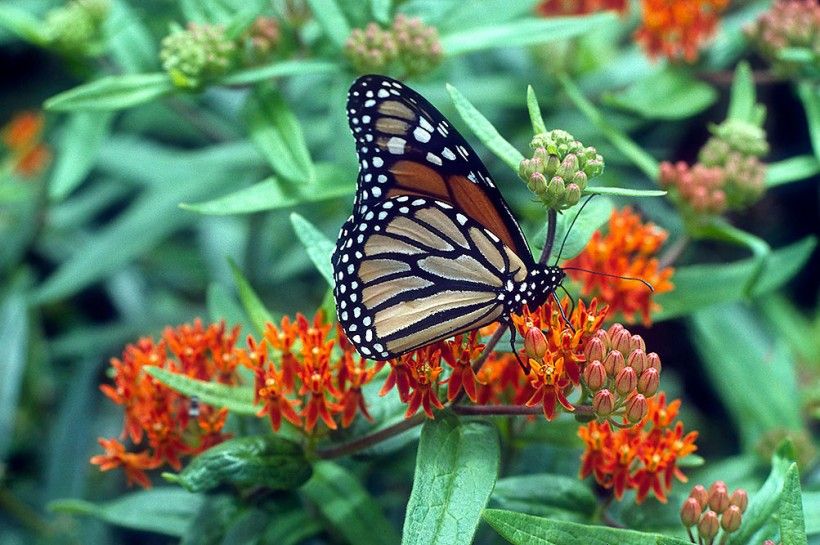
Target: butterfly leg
524, 365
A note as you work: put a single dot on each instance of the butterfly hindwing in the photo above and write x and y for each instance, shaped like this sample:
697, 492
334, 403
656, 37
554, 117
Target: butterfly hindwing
407, 147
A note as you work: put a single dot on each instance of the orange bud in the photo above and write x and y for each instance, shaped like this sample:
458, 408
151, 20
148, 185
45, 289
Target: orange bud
739, 498
595, 375
636, 408
613, 363
603, 403
626, 381
708, 526
613, 330
654, 361
620, 341
636, 342
637, 360
718, 497
690, 512
595, 349
535, 343
731, 518
700, 494
648, 382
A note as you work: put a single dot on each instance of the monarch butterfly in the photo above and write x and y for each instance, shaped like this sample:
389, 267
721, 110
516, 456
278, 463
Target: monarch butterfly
431, 249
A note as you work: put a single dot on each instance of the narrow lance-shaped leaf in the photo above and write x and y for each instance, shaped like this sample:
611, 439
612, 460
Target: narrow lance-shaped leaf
536, 119
809, 93
331, 19
237, 399
456, 468
302, 67
792, 520
592, 217
318, 246
742, 100
792, 169
668, 93
112, 93
23, 24
484, 130
84, 133
624, 192
253, 305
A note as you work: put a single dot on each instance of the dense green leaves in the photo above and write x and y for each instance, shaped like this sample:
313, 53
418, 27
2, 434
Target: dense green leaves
83, 136
318, 246
112, 93
670, 93
267, 461
253, 305
14, 336
278, 69
544, 494
456, 468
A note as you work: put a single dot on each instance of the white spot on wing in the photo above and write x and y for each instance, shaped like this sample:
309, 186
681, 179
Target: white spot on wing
433, 158
396, 145
421, 135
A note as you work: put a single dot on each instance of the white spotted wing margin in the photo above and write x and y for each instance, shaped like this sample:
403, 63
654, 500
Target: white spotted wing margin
413, 271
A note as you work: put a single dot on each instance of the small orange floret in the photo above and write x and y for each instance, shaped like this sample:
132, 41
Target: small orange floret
627, 249
548, 8
677, 29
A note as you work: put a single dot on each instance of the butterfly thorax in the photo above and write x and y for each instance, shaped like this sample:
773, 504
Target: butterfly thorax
539, 285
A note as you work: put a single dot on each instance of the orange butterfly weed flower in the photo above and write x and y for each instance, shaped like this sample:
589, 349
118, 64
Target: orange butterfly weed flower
643, 457
549, 8
460, 354
22, 136
627, 249
676, 29
157, 419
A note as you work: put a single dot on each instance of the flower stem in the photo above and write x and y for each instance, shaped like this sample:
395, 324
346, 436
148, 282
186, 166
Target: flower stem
367, 441
673, 252
552, 220
512, 410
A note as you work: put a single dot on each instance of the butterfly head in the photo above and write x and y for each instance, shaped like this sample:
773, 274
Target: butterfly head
544, 280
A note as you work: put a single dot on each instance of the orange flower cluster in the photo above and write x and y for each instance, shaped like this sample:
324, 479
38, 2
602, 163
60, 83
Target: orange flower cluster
171, 424
628, 249
549, 8
554, 369
22, 136
305, 380
676, 29
644, 457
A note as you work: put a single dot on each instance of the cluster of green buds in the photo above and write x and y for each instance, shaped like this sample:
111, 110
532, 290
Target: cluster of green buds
699, 188
75, 29
619, 374
788, 36
197, 55
409, 42
709, 511
559, 169
261, 39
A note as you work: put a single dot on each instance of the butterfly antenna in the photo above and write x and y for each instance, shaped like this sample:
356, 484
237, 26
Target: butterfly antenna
635, 278
561, 249
571, 300
563, 314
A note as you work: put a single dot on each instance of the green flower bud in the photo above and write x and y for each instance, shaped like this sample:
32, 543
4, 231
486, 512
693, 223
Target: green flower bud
579, 179
741, 136
572, 196
556, 189
418, 44
74, 30
537, 184
197, 55
569, 166
371, 49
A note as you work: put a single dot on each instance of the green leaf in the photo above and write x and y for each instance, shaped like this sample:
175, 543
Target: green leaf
521, 529
237, 399
278, 134
536, 119
318, 246
546, 494
347, 506
766, 501
257, 460
625, 192
381, 10
129, 40
290, 528
742, 98
278, 69
222, 305
14, 336
112, 93
670, 93
591, 218
484, 130
331, 19
23, 24
700, 286
645, 162
253, 305
83, 136
718, 229
792, 523
792, 170
166, 510
809, 93
811, 508
522, 32
456, 468
273, 194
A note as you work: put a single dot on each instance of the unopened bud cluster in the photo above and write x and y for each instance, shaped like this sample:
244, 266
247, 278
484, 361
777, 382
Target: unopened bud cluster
409, 42
197, 55
75, 29
709, 511
698, 186
559, 169
261, 39
619, 374
788, 36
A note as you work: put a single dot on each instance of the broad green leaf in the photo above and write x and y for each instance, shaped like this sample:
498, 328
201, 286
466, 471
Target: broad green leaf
268, 461
669, 93
381, 10
273, 194
811, 509
237, 399
253, 305
718, 229
318, 246
809, 93
536, 119
332, 20
764, 503
112, 93
522, 32
14, 333
792, 523
290, 528
740, 357
625, 192
279, 69
456, 468
521, 529
278, 134
792, 170
546, 494
347, 506
591, 218
699, 286
84, 133
635, 153
484, 130
742, 98
166, 510
23, 24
